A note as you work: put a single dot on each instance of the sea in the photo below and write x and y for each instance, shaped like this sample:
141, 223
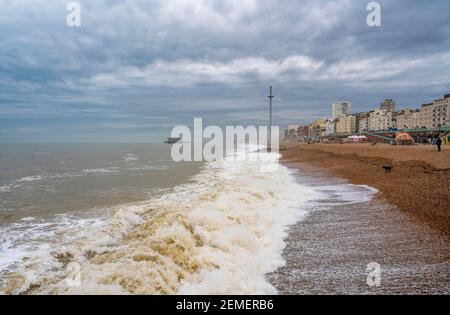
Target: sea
127, 219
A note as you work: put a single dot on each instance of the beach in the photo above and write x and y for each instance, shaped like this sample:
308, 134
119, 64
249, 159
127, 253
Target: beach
419, 183
354, 225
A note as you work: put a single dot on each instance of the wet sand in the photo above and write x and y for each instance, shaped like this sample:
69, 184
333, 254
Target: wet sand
328, 252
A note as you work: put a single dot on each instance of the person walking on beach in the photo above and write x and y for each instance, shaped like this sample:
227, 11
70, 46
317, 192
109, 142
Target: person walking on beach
439, 143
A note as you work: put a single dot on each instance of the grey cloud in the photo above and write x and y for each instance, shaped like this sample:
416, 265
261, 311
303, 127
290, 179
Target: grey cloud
176, 59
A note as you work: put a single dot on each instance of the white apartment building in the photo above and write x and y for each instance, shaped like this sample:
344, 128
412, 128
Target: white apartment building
435, 115
363, 124
426, 116
380, 120
330, 127
409, 119
341, 108
441, 112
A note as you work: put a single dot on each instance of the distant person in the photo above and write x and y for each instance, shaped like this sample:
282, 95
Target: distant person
439, 143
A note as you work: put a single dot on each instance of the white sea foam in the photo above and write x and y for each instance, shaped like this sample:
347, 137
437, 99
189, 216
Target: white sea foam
100, 170
345, 193
218, 235
26, 247
130, 157
28, 219
148, 168
31, 178
5, 188
81, 173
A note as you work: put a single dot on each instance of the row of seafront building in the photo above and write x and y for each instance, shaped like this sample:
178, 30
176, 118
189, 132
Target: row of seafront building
432, 116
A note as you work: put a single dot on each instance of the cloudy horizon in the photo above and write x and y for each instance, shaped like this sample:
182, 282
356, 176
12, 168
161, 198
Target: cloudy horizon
136, 68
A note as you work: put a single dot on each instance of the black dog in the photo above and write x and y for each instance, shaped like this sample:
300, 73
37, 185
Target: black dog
387, 168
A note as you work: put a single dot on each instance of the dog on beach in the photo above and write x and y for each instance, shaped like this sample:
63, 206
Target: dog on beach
387, 168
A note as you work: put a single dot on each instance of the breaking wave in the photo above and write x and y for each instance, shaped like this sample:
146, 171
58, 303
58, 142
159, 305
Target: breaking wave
219, 234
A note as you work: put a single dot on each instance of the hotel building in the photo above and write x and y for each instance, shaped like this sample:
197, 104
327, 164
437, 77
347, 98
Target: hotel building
380, 120
342, 108
346, 125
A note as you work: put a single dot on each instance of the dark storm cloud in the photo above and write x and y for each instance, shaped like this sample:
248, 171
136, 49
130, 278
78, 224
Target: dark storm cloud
135, 68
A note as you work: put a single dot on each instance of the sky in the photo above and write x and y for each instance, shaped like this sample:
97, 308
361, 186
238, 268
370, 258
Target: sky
135, 69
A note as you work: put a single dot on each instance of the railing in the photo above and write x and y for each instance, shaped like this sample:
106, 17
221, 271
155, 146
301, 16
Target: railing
443, 129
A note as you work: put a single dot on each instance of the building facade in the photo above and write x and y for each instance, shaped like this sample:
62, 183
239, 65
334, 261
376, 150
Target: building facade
317, 129
291, 132
435, 115
380, 120
342, 108
440, 112
330, 127
362, 122
426, 116
388, 105
302, 132
409, 119
346, 125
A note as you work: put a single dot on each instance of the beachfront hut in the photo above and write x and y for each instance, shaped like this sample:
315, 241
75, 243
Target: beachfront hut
361, 138
404, 138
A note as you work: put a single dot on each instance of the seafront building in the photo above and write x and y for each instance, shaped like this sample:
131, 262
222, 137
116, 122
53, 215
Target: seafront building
380, 119
429, 117
388, 104
341, 108
346, 125
302, 133
291, 132
409, 119
330, 127
317, 128
362, 122
441, 112
436, 114
426, 115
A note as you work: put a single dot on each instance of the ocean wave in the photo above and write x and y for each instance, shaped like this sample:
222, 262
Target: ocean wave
26, 247
31, 178
346, 194
130, 157
5, 188
220, 234
100, 170
81, 173
148, 168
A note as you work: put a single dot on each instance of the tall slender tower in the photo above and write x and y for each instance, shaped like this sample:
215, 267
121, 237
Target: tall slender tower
269, 146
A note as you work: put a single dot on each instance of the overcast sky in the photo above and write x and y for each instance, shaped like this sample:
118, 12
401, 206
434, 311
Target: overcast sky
135, 68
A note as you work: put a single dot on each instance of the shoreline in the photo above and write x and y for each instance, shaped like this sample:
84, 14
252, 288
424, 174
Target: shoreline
418, 185
329, 250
